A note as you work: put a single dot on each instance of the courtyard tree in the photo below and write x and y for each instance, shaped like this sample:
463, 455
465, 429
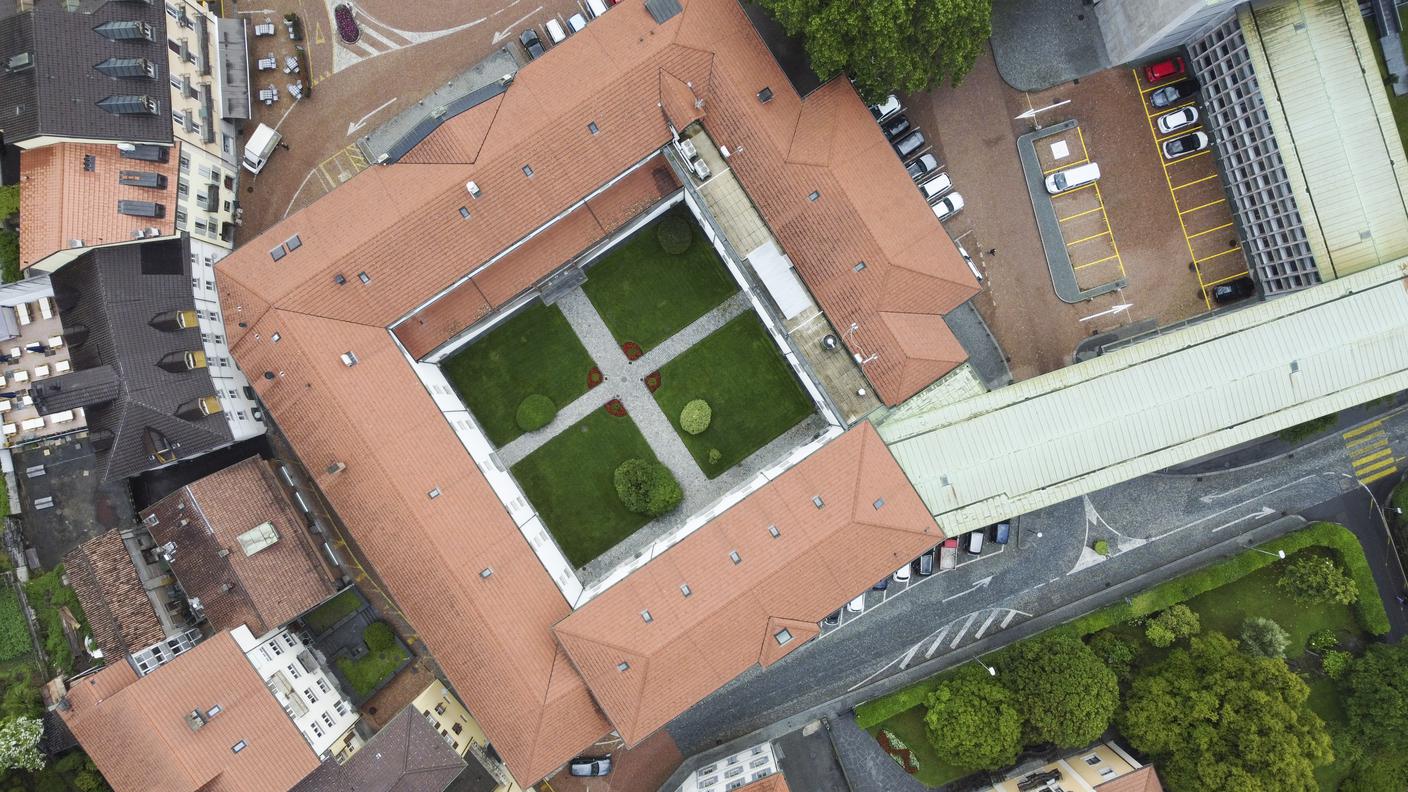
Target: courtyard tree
1264, 637
19, 744
1376, 699
535, 412
1215, 718
1066, 694
696, 416
1178, 621
1313, 579
888, 45
674, 234
972, 722
647, 488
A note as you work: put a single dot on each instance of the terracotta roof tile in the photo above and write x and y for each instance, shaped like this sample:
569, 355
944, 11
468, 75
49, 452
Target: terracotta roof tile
206, 518
62, 200
772, 783
112, 595
679, 101
1142, 780
135, 729
459, 141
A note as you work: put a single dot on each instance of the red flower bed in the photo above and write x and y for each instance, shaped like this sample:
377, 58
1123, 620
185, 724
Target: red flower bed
652, 381
594, 378
632, 350
346, 26
903, 755
616, 408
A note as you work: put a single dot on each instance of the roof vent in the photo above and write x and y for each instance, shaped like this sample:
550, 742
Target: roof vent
879, 504
349, 359
464, 212
472, 189
75, 243
765, 95
623, 666
684, 589
433, 493
645, 614
772, 530
226, 587
486, 572
195, 720
336, 467
735, 557
817, 501
364, 277
860, 265
268, 375
223, 552
339, 279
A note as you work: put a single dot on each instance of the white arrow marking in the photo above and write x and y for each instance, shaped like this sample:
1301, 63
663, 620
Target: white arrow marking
1115, 310
980, 584
361, 122
1235, 507
508, 31
991, 617
1266, 511
1216, 495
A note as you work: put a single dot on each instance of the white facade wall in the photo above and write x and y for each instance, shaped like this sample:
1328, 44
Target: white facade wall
733, 771
231, 386
307, 692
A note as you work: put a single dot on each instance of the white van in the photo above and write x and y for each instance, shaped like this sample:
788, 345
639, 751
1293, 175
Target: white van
576, 23
596, 7
1071, 178
555, 31
260, 145
936, 188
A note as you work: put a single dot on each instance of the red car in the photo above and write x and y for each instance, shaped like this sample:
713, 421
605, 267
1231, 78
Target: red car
1164, 69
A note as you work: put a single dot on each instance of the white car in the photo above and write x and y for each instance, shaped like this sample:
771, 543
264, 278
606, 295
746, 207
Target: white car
948, 206
902, 574
555, 31
1178, 119
936, 188
887, 108
856, 605
596, 7
576, 23
1183, 145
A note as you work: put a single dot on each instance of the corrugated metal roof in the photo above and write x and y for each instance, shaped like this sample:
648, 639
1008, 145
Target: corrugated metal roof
1335, 130
1166, 401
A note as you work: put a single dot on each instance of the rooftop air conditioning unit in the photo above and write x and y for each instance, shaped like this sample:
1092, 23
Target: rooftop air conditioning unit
223, 552
167, 551
75, 243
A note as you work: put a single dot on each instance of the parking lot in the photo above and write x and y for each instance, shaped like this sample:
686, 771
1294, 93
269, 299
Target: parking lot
1085, 225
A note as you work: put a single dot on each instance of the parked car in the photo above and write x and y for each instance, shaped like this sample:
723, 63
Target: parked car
948, 554
1173, 94
1185, 144
936, 188
922, 166
882, 585
1175, 120
909, 144
576, 23
925, 564
896, 126
948, 206
832, 619
596, 8
889, 107
530, 41
590, 766
1071, 178
856, 605
1233, 290
975, 542
555, 31
902, 574
1001, 532
1164, 69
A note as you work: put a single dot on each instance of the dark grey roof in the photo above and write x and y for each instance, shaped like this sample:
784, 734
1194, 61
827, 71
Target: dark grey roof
407, 755
65, 93
118, 306
82, 388
789, 51
663, 10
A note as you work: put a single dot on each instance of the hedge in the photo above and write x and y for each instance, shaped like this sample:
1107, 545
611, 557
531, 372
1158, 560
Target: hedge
378, 636
1369, 607
674, 234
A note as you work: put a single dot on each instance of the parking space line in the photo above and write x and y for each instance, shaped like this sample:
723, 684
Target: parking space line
1179, 133
1156, 86
1093, 263
1084, 152
1087, 239
1221, 281
1160, 111
1077, 189
1210, 230
1113, 244
1204, 206
1079, 214
1188, 158
1196, 181
991, 618
1215, 255
971, 618
1065, 165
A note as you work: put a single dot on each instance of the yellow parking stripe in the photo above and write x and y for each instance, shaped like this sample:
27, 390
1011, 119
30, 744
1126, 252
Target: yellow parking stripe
1382, 474
1153, 88
1100, 261
1076, 190
1180, 133
1188, 157
1377, 456
1087, 239
1221, 281
1080, 214
1084, 152
1204, 206
1359, 430
1215, 255
1210, 230
1063, 166
1163, 110
1113, 244
1195, 181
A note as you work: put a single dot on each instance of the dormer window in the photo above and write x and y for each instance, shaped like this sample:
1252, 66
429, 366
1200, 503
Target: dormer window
187, 319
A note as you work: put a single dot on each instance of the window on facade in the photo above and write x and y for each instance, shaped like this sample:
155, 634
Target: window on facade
318, 730
323, 685
293, 671
278, 650
457, 728
440, 708
327, 718
340, 706
310, 695
1092, 760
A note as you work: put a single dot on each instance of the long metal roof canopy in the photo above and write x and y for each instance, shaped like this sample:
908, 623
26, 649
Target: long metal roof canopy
1161, 403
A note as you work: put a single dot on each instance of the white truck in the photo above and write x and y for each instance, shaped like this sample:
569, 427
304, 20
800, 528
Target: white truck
261, 144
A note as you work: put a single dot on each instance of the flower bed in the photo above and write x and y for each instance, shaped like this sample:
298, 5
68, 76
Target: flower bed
346, 26
594, 378
898, 751
632, 350
616, 408
652, 381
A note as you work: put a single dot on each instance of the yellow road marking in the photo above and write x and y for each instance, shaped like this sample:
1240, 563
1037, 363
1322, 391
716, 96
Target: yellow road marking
1100, 261
1163, 163
1080, 214
1087, 239
1155, 86
1180, 133
1076, 190
1365, 444
1377, 456
1109, 230
1215, 255
1210, 230
1364, 470
1204, 206
1163, 110
1359, 430
1195, 181
1382, 474
1084, 152
1220, 281
1063, 166
1187, 157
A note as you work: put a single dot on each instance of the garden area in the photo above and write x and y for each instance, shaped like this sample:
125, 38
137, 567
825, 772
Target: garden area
516, 376
657, 281
326, 616
383, 656
749, 390
571, 481
1253, 673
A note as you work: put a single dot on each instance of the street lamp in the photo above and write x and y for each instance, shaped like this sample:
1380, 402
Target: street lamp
1281, 554
979, 660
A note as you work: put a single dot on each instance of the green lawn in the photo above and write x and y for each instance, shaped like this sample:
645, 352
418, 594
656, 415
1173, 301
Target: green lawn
322, 618
754, 396
384, 655
569, 481
14, 632
534, 351
646, 295
909, 727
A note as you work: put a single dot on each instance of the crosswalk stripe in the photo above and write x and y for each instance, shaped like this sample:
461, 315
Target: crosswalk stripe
934, 647
1359, 430
1365, 459
991, 617
1359, 444
1382, 474
1360, 470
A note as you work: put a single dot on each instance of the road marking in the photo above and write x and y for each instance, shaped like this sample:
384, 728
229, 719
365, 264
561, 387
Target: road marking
980, 584
1220, 281
1266, 511
971, 618
1064, 166
1210, 230
991, 618
1115, 310
1363, 443
1215, 496
1375, 456
1361, 429
934, 647
508, 29
1087, 239
1097, 261
908, 656
1188, 157
1160, 111
1006, 620
1215, 255
1237, 506
1382, 474
1204, 206
1080, 214
361, 122
1196, 181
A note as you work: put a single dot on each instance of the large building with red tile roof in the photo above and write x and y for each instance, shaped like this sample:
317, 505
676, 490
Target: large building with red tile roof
484, 210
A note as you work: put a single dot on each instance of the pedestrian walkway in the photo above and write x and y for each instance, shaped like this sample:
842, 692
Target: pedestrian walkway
1370, 452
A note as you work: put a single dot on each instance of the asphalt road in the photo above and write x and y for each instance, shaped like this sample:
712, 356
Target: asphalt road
1150, 523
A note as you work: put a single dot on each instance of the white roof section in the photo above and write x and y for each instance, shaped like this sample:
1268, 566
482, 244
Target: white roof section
1334, 128
775, 271
1160, 403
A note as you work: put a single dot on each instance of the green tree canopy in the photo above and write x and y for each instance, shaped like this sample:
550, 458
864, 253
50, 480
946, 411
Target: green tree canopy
1315, 578
1216, 718
1376, 699
1264, 637
1064, 692
1178, 621
972, 722
888, 45
19, 744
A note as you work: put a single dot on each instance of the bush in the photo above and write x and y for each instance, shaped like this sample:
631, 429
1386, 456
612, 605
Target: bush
1335, 663
1114, 651
882, 709
9, 256
1264, 637
1178, 621
47, 595
535, 412
1102, 547
379, 636
973, 722
1321, 640
1159, 636
647, 487
695, 416
715, 455
1314, 579
674, 234
1303, 431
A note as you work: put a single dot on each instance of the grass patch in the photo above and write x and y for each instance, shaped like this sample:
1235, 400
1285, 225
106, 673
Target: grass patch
1309, 429
47, 596
384, 655
646, 295
570, 482
14, 630
533, 351
933, 770
322, 618
751, 390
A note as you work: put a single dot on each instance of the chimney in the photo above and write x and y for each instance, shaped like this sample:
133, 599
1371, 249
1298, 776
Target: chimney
336, 467
765, 95
195, 720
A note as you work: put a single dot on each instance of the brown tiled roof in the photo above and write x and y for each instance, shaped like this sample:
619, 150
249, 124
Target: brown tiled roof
61, 201
773, 783
1142, 780
205, 518
407, 755
119, 612
821, 558
401, 224
136, 731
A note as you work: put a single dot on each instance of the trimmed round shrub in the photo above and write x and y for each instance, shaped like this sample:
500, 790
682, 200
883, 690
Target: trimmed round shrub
674, 234
378, 636
1321, 640
1335, 663
647, 488
695, 416
715, 456
1102, 547
535, 412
